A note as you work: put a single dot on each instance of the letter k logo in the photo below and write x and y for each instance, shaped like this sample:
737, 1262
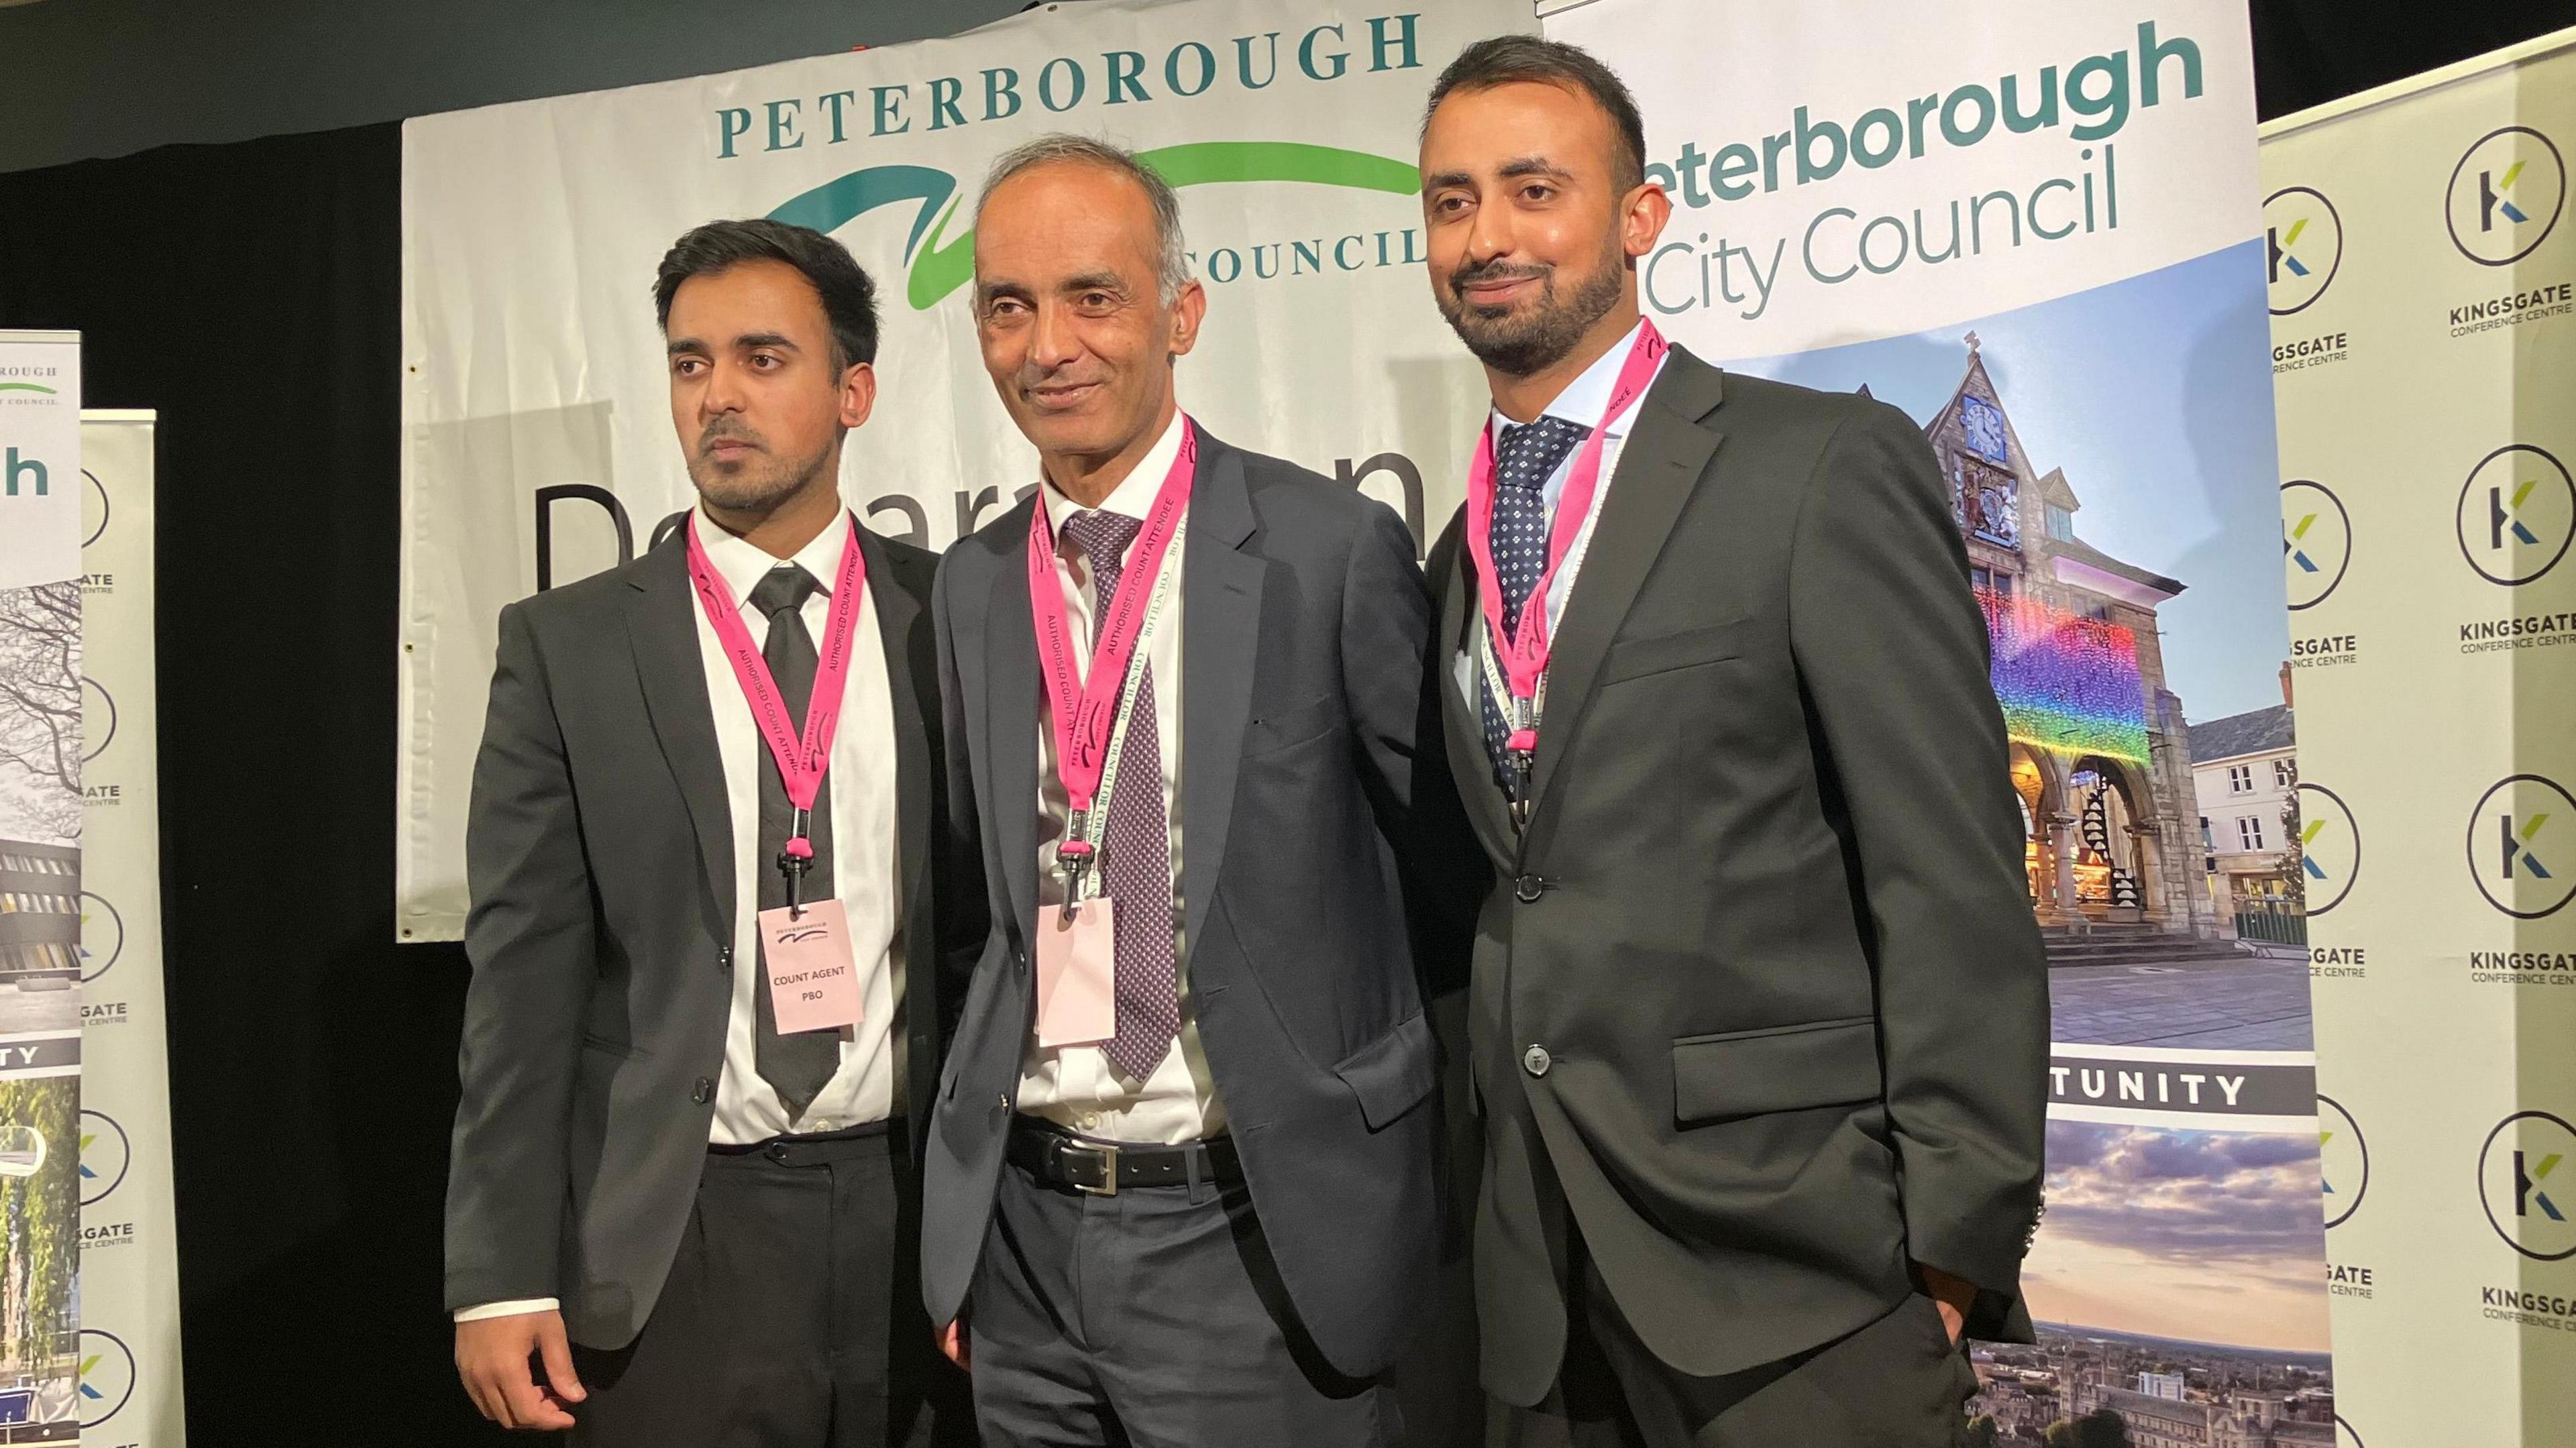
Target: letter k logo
2502, 517
2517, 849
2492, 199
2277, 249
2290, 544
2526, 1188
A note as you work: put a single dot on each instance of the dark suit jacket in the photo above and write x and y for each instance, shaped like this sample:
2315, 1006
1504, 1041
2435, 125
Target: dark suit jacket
1768, 923
1303, 625
599, 855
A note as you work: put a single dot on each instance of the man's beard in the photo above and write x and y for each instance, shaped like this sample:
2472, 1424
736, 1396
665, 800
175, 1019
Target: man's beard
757, 484
1540, 337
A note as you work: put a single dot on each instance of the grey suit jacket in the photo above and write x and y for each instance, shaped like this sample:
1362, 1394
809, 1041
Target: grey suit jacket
1759, 995
1304, 623
599, 856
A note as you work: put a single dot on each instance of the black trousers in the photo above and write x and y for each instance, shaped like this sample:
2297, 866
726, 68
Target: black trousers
1898, 1382
1150, 1319
792, 1317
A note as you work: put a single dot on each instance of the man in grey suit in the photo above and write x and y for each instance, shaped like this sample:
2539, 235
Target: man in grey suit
1206, 1214
693, 1208
1759, 1015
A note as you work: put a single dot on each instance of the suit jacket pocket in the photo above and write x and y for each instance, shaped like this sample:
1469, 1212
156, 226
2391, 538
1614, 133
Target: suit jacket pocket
1392, 1074
1663, 653
1272, 730
1779, 1068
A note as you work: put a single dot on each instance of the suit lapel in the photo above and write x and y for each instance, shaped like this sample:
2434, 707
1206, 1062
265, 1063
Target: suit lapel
1462, 714
898, 617
1010, 743
1659, 466
1220, 625
662, 629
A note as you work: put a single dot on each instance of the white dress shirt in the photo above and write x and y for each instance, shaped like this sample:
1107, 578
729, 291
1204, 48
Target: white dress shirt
1583, 401
866, 860
1076, 1087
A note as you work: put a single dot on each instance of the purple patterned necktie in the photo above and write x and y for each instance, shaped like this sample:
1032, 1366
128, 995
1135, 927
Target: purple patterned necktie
1137, 840
1528, 456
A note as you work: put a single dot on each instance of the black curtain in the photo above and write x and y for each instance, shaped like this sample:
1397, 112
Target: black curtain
251, 293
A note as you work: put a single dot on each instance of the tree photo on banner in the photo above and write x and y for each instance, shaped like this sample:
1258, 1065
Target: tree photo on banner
2035, 230
538, 446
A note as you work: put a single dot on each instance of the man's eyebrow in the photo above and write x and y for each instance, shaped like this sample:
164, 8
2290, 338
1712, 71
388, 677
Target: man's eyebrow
682, 345
1105, 281
1446, 178
1533, 166
766, 339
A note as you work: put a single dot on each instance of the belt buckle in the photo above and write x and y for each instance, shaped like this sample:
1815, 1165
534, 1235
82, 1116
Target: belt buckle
1103, 1153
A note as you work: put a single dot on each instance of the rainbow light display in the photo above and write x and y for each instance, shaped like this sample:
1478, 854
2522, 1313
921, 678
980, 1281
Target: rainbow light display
2067, 684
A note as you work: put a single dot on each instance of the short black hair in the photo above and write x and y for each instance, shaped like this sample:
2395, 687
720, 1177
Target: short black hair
1504, 59
849, 297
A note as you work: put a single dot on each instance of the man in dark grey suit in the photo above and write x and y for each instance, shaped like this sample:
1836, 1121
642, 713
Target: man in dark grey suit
1206, 1219
698, 1220
1759, 1013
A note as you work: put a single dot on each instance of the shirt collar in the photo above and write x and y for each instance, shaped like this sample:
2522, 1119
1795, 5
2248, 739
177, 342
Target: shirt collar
1588, 396
1134, 495
741, 563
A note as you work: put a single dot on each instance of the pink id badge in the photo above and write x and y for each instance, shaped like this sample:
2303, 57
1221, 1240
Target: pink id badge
1077, 974
812, 983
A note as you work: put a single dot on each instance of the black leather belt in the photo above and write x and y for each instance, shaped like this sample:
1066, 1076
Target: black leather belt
1058, 1158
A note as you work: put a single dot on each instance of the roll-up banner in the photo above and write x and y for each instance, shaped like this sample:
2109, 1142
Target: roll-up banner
2036, 230
538, 441
48, 1375
2422, 275
129, 1237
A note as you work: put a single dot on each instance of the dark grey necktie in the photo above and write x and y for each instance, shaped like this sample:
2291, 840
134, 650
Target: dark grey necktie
1528, 455
798, 1067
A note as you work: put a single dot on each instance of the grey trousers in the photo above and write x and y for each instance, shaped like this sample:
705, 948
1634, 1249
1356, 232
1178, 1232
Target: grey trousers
1898, 1382
792, 1317
1151, 1319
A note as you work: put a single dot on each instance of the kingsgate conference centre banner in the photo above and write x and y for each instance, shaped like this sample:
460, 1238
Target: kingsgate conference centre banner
2035, 228
2423, 301
538, 439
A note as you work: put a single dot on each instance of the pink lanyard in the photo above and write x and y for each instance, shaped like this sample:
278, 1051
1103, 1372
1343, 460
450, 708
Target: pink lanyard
1084, 710
801, 762
1524, 652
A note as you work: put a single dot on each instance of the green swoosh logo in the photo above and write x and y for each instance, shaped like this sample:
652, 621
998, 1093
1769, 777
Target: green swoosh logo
25, 387
940, 265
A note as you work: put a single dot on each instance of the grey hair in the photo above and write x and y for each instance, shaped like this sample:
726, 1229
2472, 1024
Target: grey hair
1171, 262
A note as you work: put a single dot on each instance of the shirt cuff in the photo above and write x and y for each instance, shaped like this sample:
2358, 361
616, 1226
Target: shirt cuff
507, 1309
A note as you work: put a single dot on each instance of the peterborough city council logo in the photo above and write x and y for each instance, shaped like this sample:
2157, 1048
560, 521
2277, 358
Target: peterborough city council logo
2518, 846
2329, 847
2505, 195
105, 1154
102, 936
2316, 541
2343, 1159
2516, 513
2528, 1188
2302, 247
938, 265
106, 1376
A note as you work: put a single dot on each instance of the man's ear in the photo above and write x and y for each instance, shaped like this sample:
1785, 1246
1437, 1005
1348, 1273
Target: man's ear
858, 393
1188, 310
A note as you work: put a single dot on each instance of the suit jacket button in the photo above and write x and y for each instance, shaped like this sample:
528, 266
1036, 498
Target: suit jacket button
703, 1092
1529, 887
1535, 1060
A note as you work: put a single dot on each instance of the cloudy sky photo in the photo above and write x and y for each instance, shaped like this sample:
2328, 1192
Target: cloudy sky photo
2207, 1236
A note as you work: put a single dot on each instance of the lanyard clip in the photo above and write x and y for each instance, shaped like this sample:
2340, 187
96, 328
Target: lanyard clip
1074, 859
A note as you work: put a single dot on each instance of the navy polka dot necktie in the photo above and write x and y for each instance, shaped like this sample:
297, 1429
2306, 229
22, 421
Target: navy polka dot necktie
1527, 455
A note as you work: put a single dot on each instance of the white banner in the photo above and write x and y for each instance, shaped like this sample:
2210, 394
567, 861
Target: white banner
539, 445
2423, 289
2034, 229
129, 1234
46, 1365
